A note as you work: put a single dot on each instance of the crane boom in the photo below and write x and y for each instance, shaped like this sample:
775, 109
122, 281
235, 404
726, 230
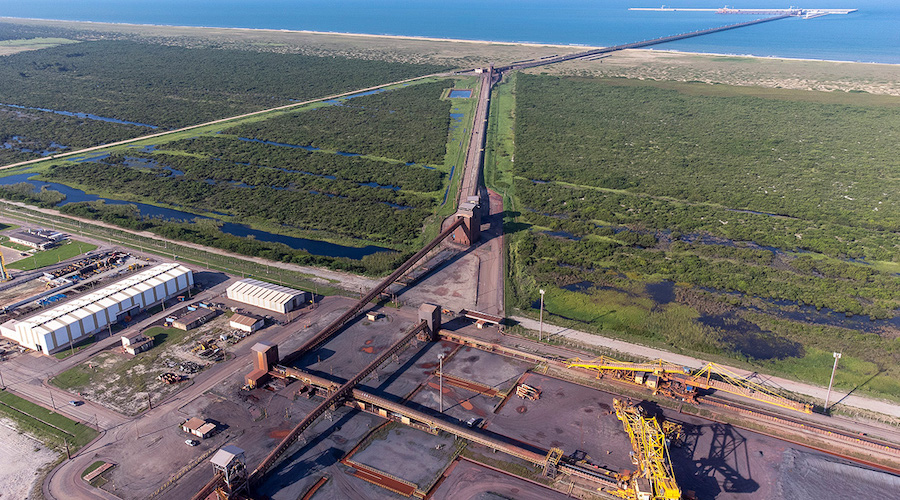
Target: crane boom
4, 274
607, 363
649, 444
741, 386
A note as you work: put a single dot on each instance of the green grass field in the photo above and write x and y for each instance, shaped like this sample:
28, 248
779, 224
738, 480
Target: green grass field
15, 246
33, 419
55, 255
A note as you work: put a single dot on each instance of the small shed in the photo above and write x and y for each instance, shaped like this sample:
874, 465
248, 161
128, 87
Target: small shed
198, 427
136, 342
193, 319
246, 323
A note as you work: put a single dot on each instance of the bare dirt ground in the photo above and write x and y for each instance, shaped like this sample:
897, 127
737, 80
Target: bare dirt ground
11, 255
22, 458
474, 482
127, 382
20, 292
738, 70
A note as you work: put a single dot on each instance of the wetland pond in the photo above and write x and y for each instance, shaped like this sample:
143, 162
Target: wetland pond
739, 333
315, 247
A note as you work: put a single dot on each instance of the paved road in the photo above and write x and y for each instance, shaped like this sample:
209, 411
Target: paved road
65, 481
813, 391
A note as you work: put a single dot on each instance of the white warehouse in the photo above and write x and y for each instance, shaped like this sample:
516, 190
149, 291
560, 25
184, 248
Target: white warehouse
56, 328
266, 295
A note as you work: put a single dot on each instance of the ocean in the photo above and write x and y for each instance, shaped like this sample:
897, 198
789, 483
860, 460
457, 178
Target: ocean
870, 35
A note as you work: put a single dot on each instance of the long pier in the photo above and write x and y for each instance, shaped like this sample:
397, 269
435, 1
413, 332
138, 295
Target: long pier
635, 45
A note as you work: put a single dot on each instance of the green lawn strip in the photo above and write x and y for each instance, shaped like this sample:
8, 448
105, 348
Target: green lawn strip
66, 250
78, 347
455, 158
15, 246
853, 374
91, 468
33, 419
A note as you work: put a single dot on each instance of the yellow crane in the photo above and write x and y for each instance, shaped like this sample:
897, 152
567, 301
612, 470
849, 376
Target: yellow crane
678, 382
741, 386
654, 479
4, 274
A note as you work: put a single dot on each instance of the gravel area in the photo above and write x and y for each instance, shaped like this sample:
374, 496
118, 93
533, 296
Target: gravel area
22, 458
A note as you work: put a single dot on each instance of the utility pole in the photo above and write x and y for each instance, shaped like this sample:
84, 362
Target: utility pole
52, 403
837, 356
441, 357
2, 385
541, 331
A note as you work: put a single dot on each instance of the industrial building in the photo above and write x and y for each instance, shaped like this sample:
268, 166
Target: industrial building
198, 427
193, 319
136, 342
57, 328
39, 240
246, 323
266, 295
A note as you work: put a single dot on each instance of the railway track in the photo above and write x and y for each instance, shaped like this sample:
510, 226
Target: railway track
869, 442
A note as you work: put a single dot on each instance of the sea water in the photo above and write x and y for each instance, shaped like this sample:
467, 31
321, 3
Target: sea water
870, 35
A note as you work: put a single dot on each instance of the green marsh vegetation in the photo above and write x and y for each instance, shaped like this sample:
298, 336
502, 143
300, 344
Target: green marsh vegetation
156, 82
172, 87
756, 204
288, 190
41, 131
407, 124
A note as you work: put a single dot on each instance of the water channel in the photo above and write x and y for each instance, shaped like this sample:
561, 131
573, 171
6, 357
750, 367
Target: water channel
314, 247
82, 115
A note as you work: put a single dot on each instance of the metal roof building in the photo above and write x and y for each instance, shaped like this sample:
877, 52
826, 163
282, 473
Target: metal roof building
55, 328
266, 295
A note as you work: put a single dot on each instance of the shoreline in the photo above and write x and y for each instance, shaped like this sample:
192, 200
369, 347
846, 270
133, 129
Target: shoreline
751, 56
438, 39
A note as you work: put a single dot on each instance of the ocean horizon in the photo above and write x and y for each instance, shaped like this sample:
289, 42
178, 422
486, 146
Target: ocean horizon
868, 35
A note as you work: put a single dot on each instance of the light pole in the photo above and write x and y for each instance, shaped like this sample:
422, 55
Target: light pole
541, 331
2, 385
837, 356
441, 357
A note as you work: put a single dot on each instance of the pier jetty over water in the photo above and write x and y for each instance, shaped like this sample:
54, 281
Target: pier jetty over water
790, 11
